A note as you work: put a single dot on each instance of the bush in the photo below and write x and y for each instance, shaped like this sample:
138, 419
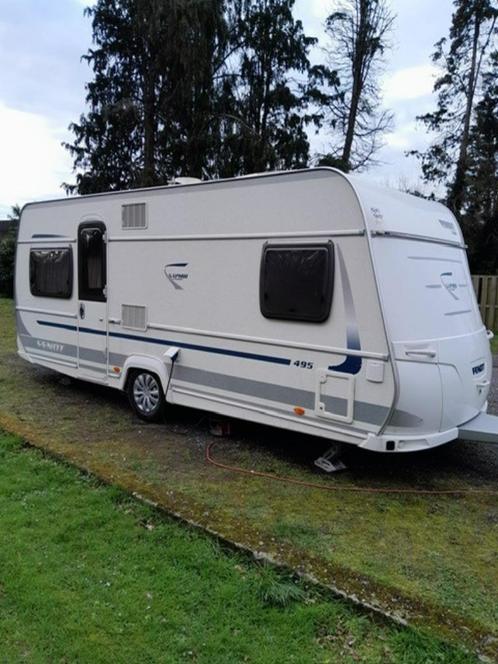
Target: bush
8, 254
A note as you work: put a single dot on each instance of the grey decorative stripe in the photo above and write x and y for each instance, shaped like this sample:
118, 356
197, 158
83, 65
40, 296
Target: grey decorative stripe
363, 412
90, 355
117, 359
58, 348
69, 350
262, 390
63, 349
21, 328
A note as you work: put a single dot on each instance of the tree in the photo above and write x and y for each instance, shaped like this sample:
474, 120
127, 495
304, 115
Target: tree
480, 214
462, 60
154, 68
266, 103
208, 88
8, 252
358, 33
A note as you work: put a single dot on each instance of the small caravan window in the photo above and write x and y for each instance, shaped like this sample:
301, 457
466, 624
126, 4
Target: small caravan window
51, 272
92, 262
296, 281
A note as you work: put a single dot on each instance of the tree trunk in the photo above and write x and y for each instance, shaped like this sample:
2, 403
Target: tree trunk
456, 195
150, 129
357, 84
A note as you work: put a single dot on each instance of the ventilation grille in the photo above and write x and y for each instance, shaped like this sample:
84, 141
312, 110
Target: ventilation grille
133, 216
133, 317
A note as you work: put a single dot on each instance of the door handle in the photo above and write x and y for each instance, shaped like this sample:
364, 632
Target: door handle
421, 353
82, 310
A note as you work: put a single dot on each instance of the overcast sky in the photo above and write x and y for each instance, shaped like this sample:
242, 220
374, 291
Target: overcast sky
42, 88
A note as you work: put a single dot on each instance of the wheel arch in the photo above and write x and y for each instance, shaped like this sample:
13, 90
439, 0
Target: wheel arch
147, 363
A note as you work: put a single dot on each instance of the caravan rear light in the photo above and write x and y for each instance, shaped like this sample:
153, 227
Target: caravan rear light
298, 410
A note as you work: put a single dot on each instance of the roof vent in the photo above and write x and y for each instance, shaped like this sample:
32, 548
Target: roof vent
133, 216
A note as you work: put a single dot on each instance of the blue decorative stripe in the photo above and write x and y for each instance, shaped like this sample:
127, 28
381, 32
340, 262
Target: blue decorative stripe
351, 365
73, 328
167, 342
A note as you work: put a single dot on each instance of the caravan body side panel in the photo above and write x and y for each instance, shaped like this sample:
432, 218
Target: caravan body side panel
190, 277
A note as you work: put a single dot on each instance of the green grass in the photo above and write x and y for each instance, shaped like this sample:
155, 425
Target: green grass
88, 574
431, 560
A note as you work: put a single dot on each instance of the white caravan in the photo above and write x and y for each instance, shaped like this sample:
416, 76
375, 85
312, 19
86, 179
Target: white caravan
307, 300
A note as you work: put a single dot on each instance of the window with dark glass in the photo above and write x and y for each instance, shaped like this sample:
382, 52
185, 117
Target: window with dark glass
92, 262
51, 272
296, 281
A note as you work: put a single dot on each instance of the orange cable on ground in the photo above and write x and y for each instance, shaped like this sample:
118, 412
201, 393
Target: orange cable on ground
358, 489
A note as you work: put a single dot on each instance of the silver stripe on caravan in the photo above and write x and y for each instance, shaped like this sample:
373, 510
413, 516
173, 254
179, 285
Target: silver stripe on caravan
237, 236
363, 412
336, 350
47, 312
420, 238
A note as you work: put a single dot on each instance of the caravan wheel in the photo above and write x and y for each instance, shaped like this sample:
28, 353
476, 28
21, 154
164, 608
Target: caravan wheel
146, 396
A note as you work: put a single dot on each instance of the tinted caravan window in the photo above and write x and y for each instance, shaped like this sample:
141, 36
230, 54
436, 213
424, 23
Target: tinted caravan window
51, 272
297, 281
92, 262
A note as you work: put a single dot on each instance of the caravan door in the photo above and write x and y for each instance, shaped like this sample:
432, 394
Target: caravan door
92, 304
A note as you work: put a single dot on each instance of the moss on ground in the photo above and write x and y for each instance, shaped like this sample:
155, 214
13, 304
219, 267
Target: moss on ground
430, 560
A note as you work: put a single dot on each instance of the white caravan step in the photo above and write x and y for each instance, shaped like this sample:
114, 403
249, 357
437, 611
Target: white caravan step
483, 428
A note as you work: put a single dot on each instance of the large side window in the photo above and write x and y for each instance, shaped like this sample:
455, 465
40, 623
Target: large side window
296, 281
51, 272
92, 262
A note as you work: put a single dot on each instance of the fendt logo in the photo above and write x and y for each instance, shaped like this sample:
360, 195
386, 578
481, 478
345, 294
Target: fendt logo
448, 281
478, 369
50, 346
175, 273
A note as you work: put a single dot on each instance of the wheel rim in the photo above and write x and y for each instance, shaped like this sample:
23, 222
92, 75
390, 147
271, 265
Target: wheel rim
146, 393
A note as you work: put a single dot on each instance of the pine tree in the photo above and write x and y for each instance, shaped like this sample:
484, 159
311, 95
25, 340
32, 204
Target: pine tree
480, 215
150, 99
266, 105
192, 87
462, 60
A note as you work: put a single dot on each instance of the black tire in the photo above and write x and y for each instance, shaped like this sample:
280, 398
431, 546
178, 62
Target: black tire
146, 395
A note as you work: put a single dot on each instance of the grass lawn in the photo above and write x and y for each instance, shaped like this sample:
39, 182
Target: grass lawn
429, 559
89, 574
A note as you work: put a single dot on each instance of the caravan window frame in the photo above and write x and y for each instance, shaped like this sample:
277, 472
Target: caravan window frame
276, 310
86, 293
66, 292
